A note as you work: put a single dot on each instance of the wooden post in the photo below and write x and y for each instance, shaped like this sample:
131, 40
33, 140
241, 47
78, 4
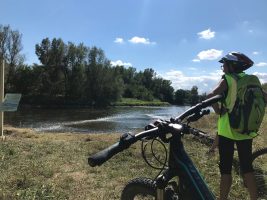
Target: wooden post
2, 84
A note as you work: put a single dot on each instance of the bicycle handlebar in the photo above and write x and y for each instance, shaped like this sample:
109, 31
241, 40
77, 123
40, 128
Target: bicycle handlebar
198, 107
102, 156
127, 139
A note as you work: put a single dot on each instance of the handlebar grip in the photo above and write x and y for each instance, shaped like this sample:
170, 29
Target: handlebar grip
102, 156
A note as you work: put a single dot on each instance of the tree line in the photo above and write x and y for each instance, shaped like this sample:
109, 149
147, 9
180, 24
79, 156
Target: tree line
76, 74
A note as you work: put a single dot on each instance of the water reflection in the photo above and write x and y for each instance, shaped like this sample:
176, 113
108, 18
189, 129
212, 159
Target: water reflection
116, 119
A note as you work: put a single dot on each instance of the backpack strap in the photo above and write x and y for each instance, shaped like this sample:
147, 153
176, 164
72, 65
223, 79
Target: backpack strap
236, 76
226, 91
231, 95
223, 100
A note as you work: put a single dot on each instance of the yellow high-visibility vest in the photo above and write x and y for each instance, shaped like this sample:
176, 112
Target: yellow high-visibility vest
224, 128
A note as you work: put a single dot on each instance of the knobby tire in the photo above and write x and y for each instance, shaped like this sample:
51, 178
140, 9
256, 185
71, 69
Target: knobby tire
139, 188
259, 160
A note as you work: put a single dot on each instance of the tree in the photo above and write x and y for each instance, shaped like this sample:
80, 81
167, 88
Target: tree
52, 56
10, 48
180, 97
75, 61
163, 90
147, 78
43, 51
4, 32
102, 86
194, 95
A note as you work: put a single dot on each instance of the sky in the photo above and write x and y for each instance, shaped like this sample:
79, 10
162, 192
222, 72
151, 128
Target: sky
182, 40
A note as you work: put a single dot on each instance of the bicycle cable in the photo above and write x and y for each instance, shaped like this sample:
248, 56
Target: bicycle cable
144, 147
157, 158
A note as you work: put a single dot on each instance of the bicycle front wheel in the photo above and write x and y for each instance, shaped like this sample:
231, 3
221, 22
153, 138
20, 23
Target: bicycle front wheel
259, 159
139, 188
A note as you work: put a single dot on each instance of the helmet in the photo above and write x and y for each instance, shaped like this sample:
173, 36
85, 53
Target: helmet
239, 61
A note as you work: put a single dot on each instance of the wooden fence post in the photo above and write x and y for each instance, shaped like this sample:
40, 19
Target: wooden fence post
2, 84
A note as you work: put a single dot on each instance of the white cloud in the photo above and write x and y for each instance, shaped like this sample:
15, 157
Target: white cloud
205, 83
196, 60
192, 68
119, 40
261, 76
211, 54
255, 53
140, 40
261, 64
120, 63
206, 34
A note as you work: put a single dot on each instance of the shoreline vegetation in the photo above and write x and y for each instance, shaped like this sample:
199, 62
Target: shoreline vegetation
137, 102
54, 165
122, 102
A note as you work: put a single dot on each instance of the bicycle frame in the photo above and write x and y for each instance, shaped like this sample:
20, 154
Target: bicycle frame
179, 162
182, 166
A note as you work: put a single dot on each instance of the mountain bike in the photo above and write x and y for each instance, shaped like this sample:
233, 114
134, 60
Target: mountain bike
190, 184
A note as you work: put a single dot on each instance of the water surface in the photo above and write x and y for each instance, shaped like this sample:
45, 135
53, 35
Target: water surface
110, 120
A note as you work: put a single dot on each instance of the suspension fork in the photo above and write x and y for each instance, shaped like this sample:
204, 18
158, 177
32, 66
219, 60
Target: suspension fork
162, 181
160, 194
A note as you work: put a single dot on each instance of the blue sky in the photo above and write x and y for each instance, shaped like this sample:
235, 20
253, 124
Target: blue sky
182, 40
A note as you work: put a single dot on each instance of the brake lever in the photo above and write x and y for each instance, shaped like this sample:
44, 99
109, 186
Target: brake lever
198, 115
164, 129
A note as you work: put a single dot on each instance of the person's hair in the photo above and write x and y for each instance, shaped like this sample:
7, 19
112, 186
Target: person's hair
235, 67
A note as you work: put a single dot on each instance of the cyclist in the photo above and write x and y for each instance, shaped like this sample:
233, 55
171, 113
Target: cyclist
234, 62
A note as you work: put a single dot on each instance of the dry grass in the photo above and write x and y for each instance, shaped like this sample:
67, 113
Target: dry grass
54, 166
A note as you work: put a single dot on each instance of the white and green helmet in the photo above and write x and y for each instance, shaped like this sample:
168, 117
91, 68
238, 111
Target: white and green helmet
238, 60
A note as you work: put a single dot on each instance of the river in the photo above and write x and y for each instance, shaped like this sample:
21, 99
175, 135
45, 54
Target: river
81, 120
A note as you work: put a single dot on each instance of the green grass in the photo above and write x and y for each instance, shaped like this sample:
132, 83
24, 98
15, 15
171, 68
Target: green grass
137, 102
54, 166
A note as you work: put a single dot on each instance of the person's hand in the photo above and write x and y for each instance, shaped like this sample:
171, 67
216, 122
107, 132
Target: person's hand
211, 152
223, 110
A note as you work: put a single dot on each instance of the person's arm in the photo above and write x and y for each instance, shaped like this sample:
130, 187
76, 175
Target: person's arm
219, 89
214, 145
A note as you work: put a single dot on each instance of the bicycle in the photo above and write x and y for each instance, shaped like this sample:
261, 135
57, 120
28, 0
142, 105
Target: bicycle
190, 184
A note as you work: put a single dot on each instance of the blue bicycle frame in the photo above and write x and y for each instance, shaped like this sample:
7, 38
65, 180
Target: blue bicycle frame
191, 184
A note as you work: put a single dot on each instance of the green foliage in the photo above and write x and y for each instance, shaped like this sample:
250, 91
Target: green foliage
194, 95
77, 74
144, 85
137, 102
180, 97
188, 97
10, 48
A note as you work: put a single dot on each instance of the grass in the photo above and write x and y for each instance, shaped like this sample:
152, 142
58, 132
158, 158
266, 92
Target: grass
137, 102
54, 166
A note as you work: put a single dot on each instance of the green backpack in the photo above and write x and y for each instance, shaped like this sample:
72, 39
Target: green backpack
249, 107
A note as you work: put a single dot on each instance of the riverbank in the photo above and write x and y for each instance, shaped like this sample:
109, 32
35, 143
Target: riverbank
63, 104
54, 166
137, 102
